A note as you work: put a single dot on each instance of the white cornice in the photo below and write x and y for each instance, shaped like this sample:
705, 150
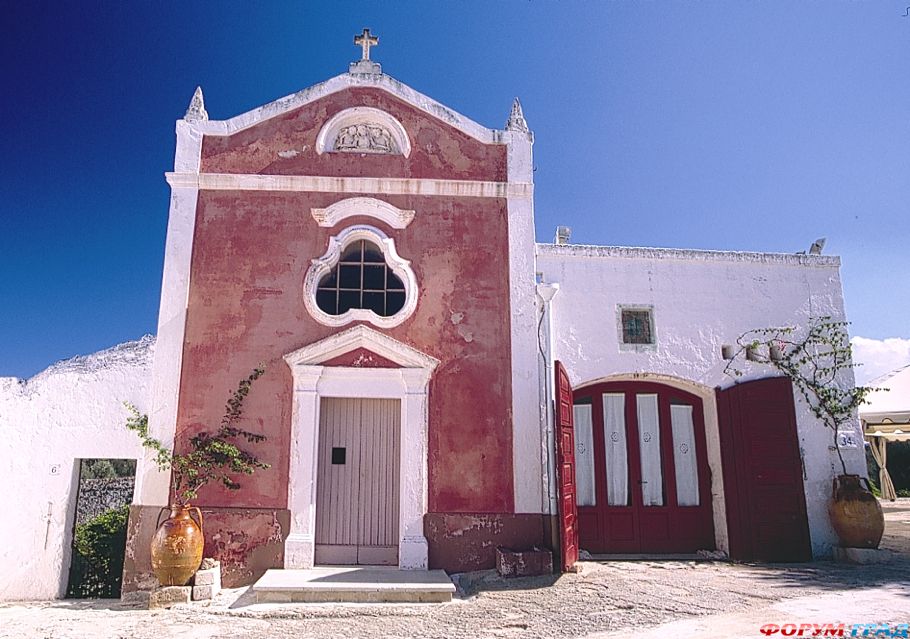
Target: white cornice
339, 83
366, 206
371, 185
590, 251
360, 337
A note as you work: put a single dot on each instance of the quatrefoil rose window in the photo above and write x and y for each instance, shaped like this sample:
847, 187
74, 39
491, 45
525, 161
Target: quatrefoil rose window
361, 277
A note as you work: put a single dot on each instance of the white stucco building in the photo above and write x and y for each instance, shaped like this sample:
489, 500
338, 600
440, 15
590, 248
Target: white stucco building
698, 302
71, 411
670, 454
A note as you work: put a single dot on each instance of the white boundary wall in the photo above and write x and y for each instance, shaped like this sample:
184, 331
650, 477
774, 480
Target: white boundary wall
73, 410
701, 300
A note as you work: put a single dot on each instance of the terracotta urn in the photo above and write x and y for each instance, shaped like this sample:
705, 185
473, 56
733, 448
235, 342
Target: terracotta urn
855, 513
177, 546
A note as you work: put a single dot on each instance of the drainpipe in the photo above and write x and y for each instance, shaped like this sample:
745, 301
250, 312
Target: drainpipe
546, 343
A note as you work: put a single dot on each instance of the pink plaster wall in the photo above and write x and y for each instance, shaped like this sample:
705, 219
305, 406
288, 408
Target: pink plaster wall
250, 255
361, 358
437, 150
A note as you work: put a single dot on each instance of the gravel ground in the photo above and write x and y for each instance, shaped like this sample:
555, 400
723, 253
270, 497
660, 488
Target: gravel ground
602, 597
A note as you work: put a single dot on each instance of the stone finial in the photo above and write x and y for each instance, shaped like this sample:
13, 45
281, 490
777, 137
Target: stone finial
365, 41
196, 111
365, 66
516, 121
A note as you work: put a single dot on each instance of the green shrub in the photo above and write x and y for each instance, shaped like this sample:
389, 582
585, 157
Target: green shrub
107, 468
98, 549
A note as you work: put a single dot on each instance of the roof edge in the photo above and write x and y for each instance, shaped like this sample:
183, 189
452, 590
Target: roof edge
339, 83
704, 255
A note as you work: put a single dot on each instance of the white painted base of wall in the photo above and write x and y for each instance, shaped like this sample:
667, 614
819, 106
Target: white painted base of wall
413, 553
299, 550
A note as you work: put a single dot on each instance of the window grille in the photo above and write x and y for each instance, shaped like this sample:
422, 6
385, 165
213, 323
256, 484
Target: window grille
361, 279
636, 326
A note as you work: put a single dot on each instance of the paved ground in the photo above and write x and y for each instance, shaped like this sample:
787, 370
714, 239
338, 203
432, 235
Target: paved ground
612, 599
897, 525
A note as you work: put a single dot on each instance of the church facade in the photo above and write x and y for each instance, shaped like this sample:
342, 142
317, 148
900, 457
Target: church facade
375, 251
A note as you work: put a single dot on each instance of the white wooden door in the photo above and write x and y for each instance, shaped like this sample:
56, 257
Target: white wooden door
357, 483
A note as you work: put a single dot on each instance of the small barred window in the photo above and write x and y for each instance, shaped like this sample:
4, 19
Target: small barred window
636, 326
361, 279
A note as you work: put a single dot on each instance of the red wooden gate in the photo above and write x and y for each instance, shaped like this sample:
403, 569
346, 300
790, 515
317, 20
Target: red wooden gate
627, 506
565, 471
763, 472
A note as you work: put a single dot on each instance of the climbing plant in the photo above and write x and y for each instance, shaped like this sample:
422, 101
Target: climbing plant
212, 457
815, 359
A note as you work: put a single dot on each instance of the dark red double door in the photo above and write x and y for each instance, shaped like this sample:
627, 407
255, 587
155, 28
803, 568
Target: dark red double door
642, 479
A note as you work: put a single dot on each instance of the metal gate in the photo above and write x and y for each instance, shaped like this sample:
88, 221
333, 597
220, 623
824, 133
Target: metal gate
358, 481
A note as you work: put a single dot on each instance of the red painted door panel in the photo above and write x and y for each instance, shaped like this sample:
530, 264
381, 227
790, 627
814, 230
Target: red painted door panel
565, 471
656, 520
763, 472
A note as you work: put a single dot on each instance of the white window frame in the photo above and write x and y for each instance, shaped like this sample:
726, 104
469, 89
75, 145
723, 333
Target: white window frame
321, 266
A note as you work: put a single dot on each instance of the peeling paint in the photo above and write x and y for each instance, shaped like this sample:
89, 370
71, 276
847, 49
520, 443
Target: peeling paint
453, 154
461, 542
458, 248
466, 335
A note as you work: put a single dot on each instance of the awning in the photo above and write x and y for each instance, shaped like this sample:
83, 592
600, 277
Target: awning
878, 444
888, 430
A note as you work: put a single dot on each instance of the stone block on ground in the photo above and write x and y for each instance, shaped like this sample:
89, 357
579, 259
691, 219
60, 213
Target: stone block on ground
207, 580
862, 555
167, 596
137, 597
523, 563
201, 593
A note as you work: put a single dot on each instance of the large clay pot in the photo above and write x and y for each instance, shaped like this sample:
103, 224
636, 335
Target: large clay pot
177, 546
855, 513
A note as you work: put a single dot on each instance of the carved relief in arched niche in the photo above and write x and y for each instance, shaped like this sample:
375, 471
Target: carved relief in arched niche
363, 130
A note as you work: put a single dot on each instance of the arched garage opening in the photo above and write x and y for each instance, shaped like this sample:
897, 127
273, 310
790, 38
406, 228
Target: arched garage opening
642, 472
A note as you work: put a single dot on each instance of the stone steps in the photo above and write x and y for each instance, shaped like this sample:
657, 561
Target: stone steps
358, 584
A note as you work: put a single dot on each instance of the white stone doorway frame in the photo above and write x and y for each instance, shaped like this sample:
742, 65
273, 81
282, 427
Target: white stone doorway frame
312, 381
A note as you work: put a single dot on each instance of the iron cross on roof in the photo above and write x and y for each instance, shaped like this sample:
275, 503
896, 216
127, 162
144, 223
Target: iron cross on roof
366, 40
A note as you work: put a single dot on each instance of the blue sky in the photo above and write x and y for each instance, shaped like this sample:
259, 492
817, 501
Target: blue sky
720, 125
